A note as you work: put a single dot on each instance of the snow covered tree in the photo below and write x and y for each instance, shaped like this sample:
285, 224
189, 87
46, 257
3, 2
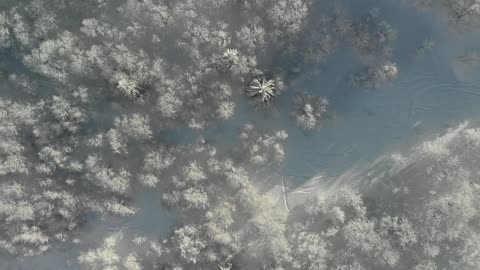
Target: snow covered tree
375, 77
129, 88
462, 13
260, 148
309, 251
372, 36
106, 178
289, 15
310, 111
189, 243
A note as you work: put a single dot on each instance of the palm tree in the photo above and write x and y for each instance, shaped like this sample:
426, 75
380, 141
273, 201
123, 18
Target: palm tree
228, 59
261, 91
230, 56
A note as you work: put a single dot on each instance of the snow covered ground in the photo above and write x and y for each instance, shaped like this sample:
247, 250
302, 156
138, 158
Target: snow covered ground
432, 94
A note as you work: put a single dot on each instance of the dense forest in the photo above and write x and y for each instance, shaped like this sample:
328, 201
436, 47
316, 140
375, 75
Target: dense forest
106, 102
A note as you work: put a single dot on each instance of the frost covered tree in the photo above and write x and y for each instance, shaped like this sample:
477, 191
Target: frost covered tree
109, 256
309, 250
103, 257
310, 111
100, 97
262, 149
289, 16
224, 219
14, 118
375, 77
129, 88
373, 36
417, 214
462, 13
106, 178
189, 243
154, 164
